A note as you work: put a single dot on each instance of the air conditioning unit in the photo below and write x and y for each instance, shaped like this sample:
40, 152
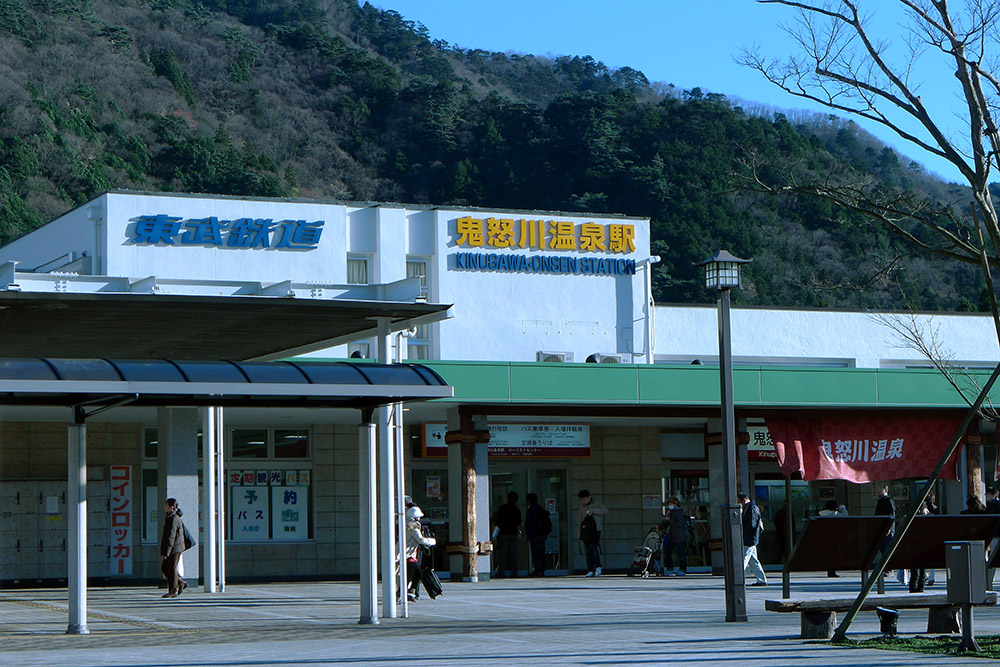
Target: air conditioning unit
599, 358
554, 357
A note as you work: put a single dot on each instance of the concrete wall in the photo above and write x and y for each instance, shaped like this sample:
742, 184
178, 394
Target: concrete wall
802, 337
623, 465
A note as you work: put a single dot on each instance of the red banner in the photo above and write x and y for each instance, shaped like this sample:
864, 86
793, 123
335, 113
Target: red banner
863, 448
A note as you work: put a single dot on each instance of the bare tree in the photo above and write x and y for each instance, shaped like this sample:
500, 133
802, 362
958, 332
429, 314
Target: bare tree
844, 65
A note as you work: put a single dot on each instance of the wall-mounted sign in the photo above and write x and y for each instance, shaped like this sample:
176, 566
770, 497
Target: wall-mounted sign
520, 440
120, 526
544, 235
595, 266
241, 233
290, 512
760, 447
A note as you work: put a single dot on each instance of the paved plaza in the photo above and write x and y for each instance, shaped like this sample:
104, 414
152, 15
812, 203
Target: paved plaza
610, 620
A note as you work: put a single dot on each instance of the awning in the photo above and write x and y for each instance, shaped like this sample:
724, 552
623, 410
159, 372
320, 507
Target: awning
158, 382
173, 326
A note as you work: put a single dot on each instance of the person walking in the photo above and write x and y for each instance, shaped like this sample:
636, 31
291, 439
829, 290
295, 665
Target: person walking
752, 527
537, 526
171, 547
589, 524
676, 534
415, 539
507, 520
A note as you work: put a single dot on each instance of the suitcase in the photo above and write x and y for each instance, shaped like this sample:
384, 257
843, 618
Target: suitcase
431, 582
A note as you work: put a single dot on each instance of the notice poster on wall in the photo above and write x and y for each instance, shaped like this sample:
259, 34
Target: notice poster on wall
120, 501
520, 440
249, 511
290, 512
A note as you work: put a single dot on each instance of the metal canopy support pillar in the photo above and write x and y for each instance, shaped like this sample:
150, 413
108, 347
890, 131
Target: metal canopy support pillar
732, 526
397, 442
76, 500
368, 551
386, 486
220, 496
210, 435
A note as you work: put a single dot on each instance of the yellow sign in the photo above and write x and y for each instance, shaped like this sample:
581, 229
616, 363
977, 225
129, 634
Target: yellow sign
544, 235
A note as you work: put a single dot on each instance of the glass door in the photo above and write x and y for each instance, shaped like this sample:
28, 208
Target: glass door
550, 484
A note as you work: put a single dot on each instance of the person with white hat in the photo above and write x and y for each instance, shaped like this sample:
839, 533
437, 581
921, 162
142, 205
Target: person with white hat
415, 539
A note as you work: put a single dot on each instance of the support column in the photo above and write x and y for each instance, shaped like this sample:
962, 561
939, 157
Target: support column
209, 437
76, 548
220, 496
177, 472
468, 471
367, 549
386, 486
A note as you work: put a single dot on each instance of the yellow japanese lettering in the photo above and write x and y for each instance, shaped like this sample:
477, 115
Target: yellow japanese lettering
562, 235
500, 232
470, 231
622, 238
592, 237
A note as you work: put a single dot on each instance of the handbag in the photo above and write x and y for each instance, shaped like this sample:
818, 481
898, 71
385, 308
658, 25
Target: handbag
189, 540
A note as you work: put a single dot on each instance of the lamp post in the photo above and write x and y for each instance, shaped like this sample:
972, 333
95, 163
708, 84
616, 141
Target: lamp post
722, 273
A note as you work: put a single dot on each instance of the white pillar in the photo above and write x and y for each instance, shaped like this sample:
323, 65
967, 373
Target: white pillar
208, 438
386, 486
367, 550
387, 510
177, 471
76, 501
397, 420
220, 500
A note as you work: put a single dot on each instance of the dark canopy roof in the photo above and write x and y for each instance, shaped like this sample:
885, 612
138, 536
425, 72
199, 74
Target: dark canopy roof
72, 382
171, 326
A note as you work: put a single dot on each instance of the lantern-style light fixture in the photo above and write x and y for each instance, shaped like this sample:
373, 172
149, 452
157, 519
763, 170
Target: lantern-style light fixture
722, 271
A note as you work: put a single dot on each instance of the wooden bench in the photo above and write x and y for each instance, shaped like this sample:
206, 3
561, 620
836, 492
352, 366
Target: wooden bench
819, 617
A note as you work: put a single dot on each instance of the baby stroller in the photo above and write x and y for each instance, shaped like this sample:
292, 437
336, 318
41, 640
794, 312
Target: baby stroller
647, 557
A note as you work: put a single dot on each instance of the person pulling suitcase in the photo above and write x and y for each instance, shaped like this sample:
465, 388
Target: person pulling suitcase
415, 539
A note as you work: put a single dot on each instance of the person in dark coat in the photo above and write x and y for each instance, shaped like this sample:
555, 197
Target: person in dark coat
508, 523
676, 533
171, 547
752, 528
536, 520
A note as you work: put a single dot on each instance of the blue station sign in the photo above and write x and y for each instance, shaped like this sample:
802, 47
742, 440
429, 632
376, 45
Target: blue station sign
166, 230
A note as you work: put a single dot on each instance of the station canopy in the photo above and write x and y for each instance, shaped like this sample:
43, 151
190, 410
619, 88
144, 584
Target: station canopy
80, 382
177, 326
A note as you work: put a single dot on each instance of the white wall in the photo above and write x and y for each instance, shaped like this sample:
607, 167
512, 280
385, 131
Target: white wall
76, 232
326, 263
860, 339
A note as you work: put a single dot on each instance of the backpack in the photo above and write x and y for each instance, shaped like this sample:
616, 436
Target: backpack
544, 523
588, 530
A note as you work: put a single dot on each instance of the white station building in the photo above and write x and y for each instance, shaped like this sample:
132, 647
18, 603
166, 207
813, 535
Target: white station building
542, 323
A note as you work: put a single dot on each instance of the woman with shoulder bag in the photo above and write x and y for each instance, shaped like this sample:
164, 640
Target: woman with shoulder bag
172, 545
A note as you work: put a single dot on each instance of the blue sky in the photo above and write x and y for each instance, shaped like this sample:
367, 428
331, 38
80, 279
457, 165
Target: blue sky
689, 43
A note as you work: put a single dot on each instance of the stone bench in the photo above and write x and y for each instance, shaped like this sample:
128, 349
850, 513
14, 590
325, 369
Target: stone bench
819, 617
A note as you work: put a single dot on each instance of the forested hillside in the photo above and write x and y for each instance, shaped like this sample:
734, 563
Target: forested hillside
329, 99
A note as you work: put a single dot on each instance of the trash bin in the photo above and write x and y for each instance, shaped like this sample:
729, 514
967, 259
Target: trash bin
966, 562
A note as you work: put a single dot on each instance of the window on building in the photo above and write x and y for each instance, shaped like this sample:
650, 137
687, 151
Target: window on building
418, 345
357, 270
